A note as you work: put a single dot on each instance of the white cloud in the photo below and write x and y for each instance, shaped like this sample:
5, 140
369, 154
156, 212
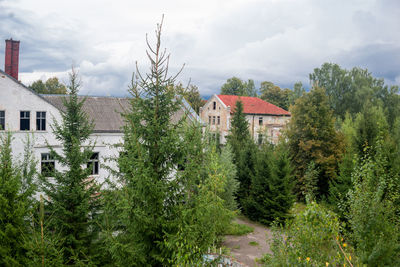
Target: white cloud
281, 41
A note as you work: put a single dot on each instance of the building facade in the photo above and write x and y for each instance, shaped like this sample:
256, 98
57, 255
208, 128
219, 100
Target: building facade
265, 119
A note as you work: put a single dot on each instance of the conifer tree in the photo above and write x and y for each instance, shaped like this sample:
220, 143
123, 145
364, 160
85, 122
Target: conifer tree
168, 200
71, 194
243, 148
271, 194
13, 207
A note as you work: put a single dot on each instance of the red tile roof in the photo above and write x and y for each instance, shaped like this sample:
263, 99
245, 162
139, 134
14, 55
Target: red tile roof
252, 105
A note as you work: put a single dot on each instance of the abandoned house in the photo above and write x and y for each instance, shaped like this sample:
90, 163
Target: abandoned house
28, 114
265, 119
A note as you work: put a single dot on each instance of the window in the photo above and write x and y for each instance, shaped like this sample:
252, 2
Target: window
260, 139
47, 165
214, 105
209, 119
213, 120
25, 120
41, 121
93, 163
2, 120
260, 121
218, 120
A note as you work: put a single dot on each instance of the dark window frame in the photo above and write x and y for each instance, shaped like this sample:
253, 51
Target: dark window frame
214, 105
218, 120
260, 121
209, 120
213, 120
2, 120
41, 120
24, 120
94, 163
47, 165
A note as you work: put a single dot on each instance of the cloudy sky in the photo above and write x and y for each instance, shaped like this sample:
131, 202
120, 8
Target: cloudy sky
266, 40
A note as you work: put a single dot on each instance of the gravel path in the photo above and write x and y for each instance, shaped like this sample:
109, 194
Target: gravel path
240, 247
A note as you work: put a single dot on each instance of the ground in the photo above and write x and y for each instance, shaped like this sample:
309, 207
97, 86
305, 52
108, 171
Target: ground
247, 248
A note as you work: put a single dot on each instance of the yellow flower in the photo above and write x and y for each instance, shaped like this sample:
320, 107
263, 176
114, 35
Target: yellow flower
299, 258
349, 257
326, 263
344, 245
308, 259
337, 237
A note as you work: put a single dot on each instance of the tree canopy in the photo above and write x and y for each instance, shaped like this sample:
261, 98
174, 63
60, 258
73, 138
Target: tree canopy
51, 86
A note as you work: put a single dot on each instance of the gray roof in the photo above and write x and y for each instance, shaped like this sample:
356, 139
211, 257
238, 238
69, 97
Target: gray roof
106, 111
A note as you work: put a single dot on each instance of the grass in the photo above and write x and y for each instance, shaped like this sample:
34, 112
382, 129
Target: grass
238, 229
253, 243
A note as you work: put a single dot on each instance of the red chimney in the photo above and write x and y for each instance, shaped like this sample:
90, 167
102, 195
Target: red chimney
12, 56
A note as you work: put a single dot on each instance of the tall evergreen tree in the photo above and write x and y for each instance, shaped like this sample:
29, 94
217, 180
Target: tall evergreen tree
13, 207
169, 189
243, 149
71, 194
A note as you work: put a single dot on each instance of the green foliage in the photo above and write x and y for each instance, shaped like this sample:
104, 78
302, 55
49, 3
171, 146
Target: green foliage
43, 247
271, 194
71, 194
232, 184
312, 137
243, 149
372, 217
310, 239
238, 229
13, 206
166, 208
368, 125
192, 95
275, 95
51, 86
348, 90
235, 86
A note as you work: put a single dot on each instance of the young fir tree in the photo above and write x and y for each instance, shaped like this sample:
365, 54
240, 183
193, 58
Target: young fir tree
13, 207
232, 184
71, 194
243, 149
271, 194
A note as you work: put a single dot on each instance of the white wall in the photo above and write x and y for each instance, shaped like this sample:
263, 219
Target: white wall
14, 98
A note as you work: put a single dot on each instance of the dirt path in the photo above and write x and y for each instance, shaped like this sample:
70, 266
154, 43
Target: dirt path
240, 247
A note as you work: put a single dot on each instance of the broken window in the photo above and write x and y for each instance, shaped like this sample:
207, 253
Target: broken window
47, 165
93, 163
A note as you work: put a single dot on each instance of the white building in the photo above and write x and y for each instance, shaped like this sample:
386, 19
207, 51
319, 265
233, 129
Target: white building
28, 114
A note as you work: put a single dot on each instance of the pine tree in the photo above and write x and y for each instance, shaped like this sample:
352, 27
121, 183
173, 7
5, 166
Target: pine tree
13, 207
71, 194
243, 149
229, 169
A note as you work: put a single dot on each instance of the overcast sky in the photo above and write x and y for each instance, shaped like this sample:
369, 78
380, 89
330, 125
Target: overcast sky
266, 40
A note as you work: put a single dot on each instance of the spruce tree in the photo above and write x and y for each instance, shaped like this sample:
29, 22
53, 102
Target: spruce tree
271, 195
13, 207
243, 148
167, 203
71, 194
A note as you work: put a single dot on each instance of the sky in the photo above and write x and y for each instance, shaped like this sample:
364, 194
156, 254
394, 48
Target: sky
281, 41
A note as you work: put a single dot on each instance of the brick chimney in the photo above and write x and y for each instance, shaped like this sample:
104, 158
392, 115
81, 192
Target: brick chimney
12, 57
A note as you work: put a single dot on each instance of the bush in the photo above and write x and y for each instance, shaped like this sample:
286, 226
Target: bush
311, 238
238, 229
